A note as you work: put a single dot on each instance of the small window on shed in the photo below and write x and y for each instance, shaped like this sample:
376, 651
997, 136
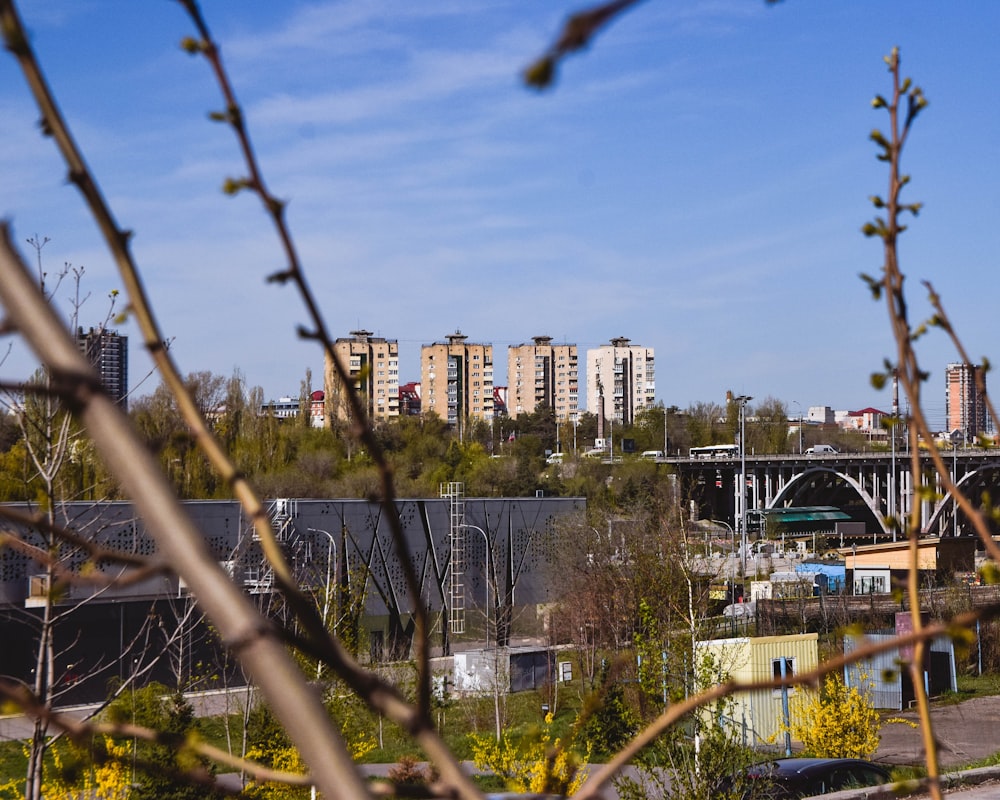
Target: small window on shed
789, 668
776, 673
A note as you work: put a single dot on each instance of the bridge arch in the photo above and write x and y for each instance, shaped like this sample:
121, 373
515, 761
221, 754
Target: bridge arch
984, 478
824, 485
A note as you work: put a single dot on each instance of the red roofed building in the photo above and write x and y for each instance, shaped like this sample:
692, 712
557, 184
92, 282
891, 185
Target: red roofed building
867, 421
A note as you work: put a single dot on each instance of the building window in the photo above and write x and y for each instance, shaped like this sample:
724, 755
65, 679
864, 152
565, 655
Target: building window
790, 672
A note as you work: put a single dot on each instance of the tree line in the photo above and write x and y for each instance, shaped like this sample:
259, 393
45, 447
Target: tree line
287, 457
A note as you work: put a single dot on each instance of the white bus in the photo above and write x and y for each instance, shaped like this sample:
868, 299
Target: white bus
715, 451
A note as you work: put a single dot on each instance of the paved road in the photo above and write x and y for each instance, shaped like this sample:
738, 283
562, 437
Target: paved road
206, 704
965, 732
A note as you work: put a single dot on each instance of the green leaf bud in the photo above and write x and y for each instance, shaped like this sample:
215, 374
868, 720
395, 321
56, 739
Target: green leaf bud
234, 185
540, 74
877, 137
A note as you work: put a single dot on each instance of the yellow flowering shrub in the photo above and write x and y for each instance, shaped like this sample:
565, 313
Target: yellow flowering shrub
534, 763
110, 779
838, 722
279, 754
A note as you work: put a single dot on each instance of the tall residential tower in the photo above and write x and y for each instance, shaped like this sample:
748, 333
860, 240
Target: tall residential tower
965, 405
623, 375
373, 364
542, 374
456, 380
107, 351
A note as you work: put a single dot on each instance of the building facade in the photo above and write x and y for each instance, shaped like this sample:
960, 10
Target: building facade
409, 399
542, 374
456, 380
107, 351
965, 406
621, 380
373, 364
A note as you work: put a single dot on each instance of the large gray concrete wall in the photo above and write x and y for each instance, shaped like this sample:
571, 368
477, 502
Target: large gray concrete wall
352, 533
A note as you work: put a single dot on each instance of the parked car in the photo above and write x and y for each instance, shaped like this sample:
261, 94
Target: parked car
794, 778
555, 458
741, 610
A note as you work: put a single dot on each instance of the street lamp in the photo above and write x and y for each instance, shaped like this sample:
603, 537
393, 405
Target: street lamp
728, 527
732, 538
331, 558
743, 399
489, 563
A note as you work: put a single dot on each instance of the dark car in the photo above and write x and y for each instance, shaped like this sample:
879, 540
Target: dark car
793, 778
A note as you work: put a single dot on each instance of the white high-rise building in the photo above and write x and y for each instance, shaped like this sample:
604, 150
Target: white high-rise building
621, 375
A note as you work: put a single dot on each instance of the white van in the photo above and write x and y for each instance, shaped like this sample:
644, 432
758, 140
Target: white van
654, 454
821, 449
555, 458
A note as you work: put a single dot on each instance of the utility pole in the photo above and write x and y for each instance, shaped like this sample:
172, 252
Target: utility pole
741, 495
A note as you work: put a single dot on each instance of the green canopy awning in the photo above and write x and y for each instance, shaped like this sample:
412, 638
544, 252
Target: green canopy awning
785, 516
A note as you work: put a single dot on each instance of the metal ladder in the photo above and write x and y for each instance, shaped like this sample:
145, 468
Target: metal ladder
454, 491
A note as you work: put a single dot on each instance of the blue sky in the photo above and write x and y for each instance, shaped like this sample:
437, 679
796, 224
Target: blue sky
696, 181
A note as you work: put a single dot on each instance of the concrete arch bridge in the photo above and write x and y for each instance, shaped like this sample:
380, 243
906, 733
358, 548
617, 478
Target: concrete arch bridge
870, 487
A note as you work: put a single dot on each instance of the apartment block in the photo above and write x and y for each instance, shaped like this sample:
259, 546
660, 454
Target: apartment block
965, 405
373, 364
542, 374
107, 352
620, 380
456, 380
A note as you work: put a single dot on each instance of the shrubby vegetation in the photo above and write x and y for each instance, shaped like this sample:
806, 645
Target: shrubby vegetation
837, 722
659, 600
288, 458
156, 765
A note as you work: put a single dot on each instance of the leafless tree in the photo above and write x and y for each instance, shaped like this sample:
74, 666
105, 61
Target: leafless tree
261, 647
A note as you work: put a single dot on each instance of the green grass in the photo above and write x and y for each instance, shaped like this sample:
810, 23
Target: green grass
13, 761
455, 721
987, 685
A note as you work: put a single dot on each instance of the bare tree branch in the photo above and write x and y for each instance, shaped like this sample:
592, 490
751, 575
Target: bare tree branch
295, 703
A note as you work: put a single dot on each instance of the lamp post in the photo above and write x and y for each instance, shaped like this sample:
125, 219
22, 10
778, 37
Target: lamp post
743, 399
893, 486
954, 480
331, 559
728, 527
489, 563
732, 538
